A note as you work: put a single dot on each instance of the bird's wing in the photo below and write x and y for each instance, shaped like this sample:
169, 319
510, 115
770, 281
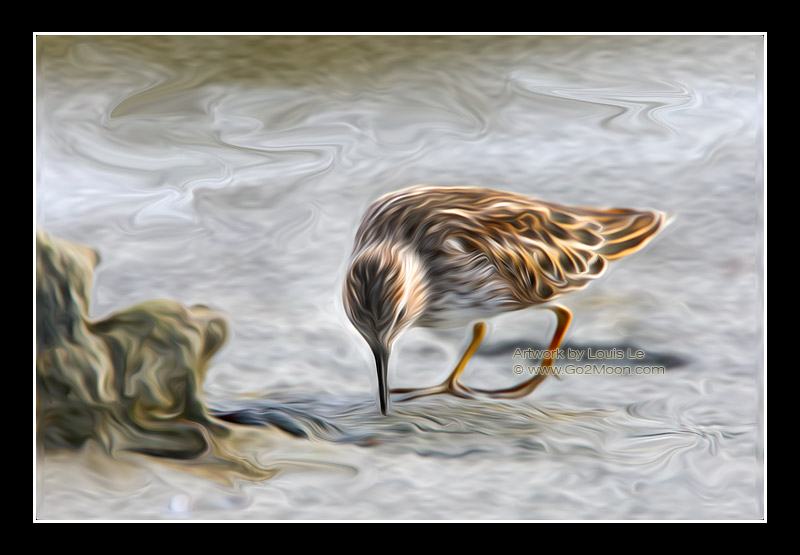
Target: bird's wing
543, 250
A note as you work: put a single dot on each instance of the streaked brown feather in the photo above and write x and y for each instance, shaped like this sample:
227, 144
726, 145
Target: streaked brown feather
511, 250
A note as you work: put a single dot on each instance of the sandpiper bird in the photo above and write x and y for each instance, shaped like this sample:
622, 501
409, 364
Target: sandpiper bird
440, 257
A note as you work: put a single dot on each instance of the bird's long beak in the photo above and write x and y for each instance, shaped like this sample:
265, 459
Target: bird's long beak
382, 365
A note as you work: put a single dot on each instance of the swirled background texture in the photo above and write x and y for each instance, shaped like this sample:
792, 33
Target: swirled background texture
231, 171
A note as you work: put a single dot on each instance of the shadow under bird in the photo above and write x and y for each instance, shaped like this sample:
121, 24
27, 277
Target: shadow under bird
441, 257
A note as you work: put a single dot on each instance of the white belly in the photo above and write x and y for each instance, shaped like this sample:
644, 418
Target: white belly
456, 309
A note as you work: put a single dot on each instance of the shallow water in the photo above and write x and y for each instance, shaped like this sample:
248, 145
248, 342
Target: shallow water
232, 171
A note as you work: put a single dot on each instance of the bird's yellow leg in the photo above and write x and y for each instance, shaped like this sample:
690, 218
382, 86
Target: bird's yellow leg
450, 385
525, 388
478, 333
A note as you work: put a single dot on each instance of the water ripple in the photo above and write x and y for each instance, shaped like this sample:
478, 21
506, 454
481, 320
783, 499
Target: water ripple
642, 110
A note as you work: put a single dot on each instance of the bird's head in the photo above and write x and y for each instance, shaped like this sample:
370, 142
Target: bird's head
384, 294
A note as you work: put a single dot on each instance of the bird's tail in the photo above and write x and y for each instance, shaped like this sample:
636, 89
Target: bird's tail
626, 231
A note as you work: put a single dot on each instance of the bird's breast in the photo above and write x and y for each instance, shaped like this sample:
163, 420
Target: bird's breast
465, 294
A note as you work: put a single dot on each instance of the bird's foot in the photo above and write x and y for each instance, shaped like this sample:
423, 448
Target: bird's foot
448, 387
516, 392
456, 389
